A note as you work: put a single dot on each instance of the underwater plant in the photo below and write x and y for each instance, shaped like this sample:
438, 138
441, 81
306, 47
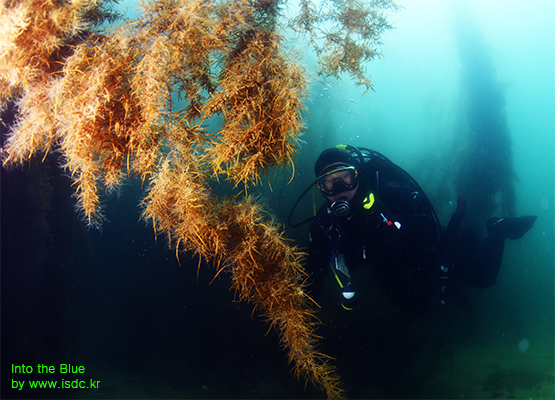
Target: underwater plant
345, 34
135, 101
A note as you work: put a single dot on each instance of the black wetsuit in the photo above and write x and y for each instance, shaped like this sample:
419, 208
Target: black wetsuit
398, 234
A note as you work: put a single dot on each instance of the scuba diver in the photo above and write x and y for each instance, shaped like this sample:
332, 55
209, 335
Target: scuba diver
375, 213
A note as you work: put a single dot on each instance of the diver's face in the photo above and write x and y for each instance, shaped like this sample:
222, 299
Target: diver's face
347, 196
329, 180
339, 185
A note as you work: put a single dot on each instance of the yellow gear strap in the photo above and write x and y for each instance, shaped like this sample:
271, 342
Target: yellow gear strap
336, 276
341, 147
368, 201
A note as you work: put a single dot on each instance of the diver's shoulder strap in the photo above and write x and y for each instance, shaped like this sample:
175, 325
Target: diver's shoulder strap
384, 173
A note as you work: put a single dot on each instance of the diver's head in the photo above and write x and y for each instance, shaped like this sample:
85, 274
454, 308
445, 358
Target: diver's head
336, 174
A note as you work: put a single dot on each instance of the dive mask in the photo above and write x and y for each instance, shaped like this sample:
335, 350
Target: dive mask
338, 180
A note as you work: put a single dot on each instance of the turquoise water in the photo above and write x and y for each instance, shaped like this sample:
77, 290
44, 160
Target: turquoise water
425, 91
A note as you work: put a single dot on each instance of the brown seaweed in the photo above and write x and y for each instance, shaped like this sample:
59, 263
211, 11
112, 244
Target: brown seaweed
135, 101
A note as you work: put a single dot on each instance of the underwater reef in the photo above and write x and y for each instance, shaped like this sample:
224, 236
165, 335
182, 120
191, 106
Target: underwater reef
119, 100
